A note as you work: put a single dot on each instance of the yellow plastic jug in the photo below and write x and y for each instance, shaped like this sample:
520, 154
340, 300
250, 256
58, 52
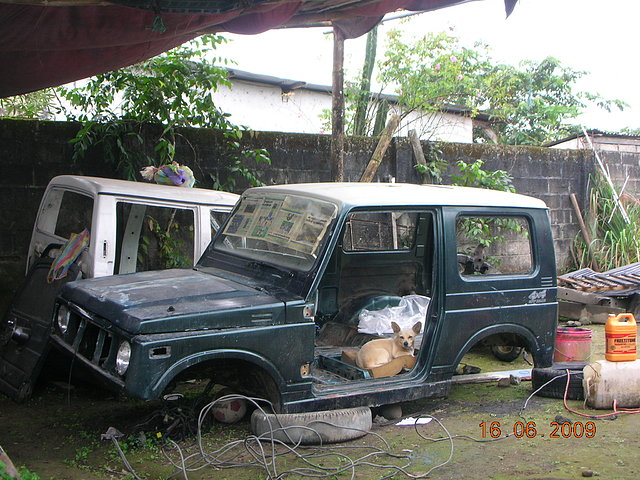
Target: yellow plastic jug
620, 334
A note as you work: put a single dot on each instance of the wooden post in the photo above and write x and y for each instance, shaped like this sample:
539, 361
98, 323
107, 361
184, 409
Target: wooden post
606, 176
418, 154
337, 108
381, 148
585, 232
9, 468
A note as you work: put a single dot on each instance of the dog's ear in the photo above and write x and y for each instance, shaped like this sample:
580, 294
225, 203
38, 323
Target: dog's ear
417, 327
395, 327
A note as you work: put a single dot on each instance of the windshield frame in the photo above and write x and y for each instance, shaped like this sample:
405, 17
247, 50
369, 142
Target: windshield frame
284, 230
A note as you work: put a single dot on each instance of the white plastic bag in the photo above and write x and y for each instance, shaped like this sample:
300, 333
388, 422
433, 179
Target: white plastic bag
412, 309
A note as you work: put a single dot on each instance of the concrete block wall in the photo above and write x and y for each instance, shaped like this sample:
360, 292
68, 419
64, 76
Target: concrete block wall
34, 152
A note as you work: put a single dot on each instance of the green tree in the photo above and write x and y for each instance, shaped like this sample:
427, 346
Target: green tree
529, 104
364, 93
40, 105
630, 131
172, 90
532, 104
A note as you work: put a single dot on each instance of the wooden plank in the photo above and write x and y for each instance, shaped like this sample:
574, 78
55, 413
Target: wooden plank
588, 313
575, 283
587, 298
490, 376
9, 468
624, 281
584, 230
611, 280
631, 277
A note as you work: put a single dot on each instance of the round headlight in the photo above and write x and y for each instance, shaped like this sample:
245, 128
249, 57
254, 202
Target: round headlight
123, 357
62, 318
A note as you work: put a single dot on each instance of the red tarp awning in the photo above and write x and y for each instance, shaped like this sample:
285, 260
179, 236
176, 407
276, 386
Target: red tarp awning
43, 46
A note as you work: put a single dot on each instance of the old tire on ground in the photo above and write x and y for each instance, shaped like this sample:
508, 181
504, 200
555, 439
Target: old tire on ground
557, 376
506, 353
328, 426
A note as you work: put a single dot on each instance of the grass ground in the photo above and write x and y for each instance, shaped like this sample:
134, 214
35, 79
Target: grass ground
57, 435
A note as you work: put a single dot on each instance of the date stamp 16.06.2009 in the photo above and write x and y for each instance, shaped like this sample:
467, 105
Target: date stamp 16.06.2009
531, 430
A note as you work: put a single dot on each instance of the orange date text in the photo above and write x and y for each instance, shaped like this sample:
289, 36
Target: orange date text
531, 430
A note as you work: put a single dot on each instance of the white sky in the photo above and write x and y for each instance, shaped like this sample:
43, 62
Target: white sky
600, 37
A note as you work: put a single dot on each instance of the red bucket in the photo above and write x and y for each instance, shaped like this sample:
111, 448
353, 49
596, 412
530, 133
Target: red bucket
572, 345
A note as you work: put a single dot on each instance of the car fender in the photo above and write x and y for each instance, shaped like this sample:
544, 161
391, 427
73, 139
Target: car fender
201, 357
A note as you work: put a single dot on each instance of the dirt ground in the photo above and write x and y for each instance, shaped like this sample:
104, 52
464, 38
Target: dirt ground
57, 435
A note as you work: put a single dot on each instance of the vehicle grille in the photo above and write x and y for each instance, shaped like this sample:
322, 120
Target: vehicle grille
91, 342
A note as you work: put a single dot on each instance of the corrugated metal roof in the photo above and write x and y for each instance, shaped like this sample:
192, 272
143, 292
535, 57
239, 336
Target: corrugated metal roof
626, 278
592, 133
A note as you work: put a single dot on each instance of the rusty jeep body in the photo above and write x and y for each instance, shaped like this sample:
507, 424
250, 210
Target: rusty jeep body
285, 287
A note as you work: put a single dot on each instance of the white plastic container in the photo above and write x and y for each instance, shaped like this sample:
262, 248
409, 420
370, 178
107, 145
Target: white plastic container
605, 382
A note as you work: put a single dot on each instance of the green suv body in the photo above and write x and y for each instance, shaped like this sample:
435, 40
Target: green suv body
287, 285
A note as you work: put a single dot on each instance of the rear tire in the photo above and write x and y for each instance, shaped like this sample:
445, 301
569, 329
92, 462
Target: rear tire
506, 353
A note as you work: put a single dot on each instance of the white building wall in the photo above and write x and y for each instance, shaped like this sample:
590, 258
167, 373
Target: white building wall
264, 107
441, 127
602, 143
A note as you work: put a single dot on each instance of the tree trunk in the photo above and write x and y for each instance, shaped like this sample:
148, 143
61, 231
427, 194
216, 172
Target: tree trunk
381, 148
337, 108
364, 95
418, 154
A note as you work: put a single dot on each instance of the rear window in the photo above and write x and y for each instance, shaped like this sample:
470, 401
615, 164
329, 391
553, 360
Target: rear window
494, 245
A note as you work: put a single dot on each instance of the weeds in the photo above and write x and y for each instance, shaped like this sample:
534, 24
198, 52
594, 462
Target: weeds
615, 242
25, 474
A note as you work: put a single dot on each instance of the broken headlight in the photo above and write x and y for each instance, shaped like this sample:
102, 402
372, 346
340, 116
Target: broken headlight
123, 357
62, 318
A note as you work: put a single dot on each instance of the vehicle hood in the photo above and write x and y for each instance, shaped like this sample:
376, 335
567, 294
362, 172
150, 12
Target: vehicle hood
173, 301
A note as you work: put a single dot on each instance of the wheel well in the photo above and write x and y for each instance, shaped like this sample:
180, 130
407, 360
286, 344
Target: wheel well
510, 339
240, 375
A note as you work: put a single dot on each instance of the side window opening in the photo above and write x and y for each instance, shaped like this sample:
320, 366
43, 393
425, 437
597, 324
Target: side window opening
381, 261
493, 245
73, 215
153, 238
380, 231
216, 220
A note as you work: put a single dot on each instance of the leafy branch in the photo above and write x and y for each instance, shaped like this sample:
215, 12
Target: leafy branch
118, 111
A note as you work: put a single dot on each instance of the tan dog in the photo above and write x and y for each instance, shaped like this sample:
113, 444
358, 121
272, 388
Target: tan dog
382, 350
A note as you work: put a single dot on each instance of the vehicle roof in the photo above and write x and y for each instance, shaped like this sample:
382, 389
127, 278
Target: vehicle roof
110, 186
398, 194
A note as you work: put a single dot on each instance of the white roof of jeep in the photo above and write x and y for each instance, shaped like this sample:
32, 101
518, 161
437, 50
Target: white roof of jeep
403, 194
110, 186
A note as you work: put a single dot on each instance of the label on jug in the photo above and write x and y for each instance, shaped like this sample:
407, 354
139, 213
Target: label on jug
621, 343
